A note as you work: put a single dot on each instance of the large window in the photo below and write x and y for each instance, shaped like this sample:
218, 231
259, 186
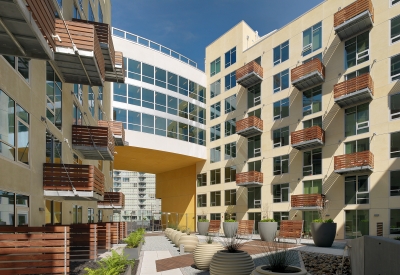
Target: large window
202, 200
281, 81
312, 100
357, 223
230, 174
14, 209
254, 197
53, 149
230, 57
215, 154
357, 50
19, 64
100, 13
312, 187
230, 104
281, 53
254, 166
76, 214
357, 73
215, 198
254, 96
281, 165
281, 137
254, 147
395, 145
215, 66
201, 179
14, 130
280, 192
230, 81
90, 215
215, 176
53, 213
357, 120
215, 132
53, 97
230, 150
215, 110
312, 164
395, 106
394, 221
91, 101
230, 127
316, 121
356, 189
356, 146
230, 197
312, 39
280, 216
281, 108
395, 183
215, 88
395, 67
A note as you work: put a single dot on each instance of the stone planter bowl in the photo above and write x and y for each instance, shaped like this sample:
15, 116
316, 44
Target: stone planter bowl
230, 228
238, 263
203, 254
267, 230
177, 237
202, 228
323, 233
189, 241
172, 235
292, 270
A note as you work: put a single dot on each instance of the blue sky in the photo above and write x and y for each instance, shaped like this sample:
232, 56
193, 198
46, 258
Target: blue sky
188, 26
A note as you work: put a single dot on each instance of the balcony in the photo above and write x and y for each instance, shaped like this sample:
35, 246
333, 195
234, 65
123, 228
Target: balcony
307, 202
249, 75
249, 179
118, 75
93, 142
249, 127
117, 130
353, 19
356, 162
308, 138
141, 191
26, 28
78, 54
112, 200
73, 181
308, 75
354, 91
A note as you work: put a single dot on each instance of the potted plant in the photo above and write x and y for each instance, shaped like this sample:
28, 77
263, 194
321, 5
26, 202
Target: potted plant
134, 243
267, 227
189, 241
204, 252
202, 226
323, 231
2, 223
230, 226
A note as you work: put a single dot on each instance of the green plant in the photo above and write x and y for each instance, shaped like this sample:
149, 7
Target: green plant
397, 238
229, 212
135, 238
268, 220
277, 256
323, 221
203, 220
230, 220
111, 265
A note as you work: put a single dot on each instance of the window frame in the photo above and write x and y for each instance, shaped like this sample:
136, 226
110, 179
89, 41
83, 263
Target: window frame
216, 174
232, 81
390, 146
231, 178
357, 128
390, 28
230, 108
397, 76
214, 64
201, 180
390, 184
257, 150
232, 56
315, 91
309, 48
232, 150
280, 137
281, 161
359, 55
230, 193
213, 152
391, 115
216, 86
281, 47
214, 197
280, 75
213, 132
200, 198
283, 187
277, 117
231, 130
312, 162
215, 106
257, 202
356, 191
390, 219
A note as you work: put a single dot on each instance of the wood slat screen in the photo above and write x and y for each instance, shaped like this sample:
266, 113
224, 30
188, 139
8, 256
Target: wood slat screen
290, 229
114, 229
365, 158
245, 227
353, 85
103, 236
214, 226
379, 229
353, 10
116, 127
93, 136
248, 122
113, 198
251, 176
307, 134
309, 67
83, 242
307, 200
123, 230
82, 177
34, 250
249, 68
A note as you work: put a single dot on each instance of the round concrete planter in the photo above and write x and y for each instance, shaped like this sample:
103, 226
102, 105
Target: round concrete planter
262, 270
177, 237
172, 235
203, 254
202, 228
323, 233
167, 231
267, 230
189, 241
230, 228
238, 263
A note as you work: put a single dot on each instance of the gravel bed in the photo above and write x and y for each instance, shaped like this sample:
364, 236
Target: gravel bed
325, 264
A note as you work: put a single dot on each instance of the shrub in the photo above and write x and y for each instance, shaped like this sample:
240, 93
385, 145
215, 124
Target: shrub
230, 220
323, 221
268, 220
111, 265
277, 256
135, 238
203, 220
397, 238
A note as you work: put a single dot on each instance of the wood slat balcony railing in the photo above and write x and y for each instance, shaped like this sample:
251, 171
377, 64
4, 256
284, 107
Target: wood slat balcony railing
118, 75
308, 74
307, 201
249, 126
354, 162
250, 74
117, 130
355, 90
93, 142
251, 178
73, 180
308, 138
112, 200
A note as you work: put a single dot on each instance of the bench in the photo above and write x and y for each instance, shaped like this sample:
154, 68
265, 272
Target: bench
246, 227
214, 227
290, 230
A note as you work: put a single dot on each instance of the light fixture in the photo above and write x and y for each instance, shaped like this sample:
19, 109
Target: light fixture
376, 215
41, 209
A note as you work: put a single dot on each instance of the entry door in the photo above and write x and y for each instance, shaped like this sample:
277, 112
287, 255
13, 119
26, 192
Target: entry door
22, 216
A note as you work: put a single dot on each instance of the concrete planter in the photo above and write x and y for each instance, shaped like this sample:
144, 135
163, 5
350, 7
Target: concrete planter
238, 263
267, 230
230, 228
133, 253
262, 270
128, 271
177, 237
189, 241
202, 228
172, 235
323, 233
203, 254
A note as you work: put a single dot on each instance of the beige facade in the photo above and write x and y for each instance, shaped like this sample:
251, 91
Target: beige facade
249, 46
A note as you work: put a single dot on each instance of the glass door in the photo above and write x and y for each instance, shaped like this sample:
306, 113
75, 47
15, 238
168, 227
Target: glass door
256, 217
308, 217
357, 223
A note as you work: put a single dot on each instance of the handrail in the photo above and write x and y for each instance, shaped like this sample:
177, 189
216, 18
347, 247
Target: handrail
249, 68
307, 134
251, 176
306, 68
249, 122
355, 84
352, 10
359, 159
307, 200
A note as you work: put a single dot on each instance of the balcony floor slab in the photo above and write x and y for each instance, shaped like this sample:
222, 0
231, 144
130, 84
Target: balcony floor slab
357, 97
308, 144
366, 168
70, 195
355, 25
310, 80
249, 80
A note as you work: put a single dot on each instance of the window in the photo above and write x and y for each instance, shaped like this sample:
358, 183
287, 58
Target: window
230, 81
312, 162
254, 96
281, 109
230, 104
395, 68
281, 165
19, 64
215, 66
280, 216
53, 97
183, 86
281, 53
100, 215
183, 108
357, 120
356, 146
395, 145
53, 149
11, 202
395, 183
395, 106
14, 130
202, 94
254, 197
317, 121
215, 154
281, 137
281, 192
357, 73
357, 50
281, 81
91, 14
215, 132
100, 13
254, 146
215, 110
256, 113
201, 179
312, 39
215, 216
312, 101
202, 115
59, 3
230, 57
215, 176
215, 198
230, 197
75, 12
254, 166
76, 214
91, 101
394, 221
312, 187
90, 215
230, 150
230, 174
78, 92
215, 88
230, 127
77, 115
183, 131
100, 94
53, 214
356, 189
357, 223
202, 200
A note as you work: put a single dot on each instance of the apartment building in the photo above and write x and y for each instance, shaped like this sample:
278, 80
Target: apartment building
304, 114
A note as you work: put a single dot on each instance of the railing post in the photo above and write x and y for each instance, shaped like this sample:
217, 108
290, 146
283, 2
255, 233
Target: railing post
95, 242
65, 250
